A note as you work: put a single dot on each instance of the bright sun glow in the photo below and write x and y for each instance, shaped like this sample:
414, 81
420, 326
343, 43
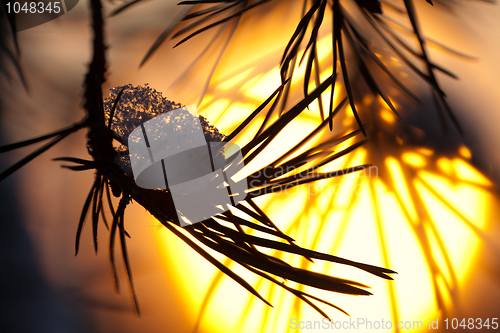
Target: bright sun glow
363, 221
414, 218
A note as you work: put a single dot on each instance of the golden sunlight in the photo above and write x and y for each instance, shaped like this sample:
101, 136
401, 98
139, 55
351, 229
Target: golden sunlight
414, 213
370, 223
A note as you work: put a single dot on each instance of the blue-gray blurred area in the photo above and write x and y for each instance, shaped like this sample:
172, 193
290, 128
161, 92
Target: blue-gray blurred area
27, 302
